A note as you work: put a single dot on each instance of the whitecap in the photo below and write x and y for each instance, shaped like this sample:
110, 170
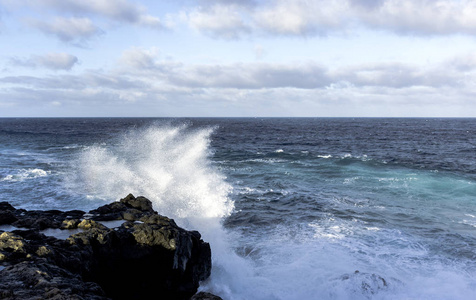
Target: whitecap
24, 174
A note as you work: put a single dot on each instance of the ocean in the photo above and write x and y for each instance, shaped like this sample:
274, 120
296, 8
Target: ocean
293, 208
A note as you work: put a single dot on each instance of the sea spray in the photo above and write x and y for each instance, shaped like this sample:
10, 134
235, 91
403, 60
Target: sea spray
167, 164
170, 165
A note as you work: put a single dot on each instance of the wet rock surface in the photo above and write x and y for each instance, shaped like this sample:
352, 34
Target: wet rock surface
366, 284
145, 256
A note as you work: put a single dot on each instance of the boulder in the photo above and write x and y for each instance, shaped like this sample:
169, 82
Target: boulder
147, 256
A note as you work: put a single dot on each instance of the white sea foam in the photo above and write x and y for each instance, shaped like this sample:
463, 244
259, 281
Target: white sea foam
265, 160
254, 191
25, 174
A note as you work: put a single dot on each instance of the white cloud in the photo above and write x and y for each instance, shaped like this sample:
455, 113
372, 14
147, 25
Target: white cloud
422, 16
150, 21
304, 88
68, 29
397, 75
301, 17
320, 17
367, 4
463, 63
57, 61
139, 58
142, 63
118, 10
53, 61
224, 21
114, 9
234, 2
251, 76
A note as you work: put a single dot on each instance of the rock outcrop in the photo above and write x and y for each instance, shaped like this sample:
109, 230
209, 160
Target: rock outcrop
122, 250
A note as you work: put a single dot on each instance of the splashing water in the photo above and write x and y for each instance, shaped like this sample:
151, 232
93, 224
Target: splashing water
168, 165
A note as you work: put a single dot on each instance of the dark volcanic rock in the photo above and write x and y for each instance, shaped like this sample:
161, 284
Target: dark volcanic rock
42, 280
205, 296
36, 219
128, 208
365, 283
146, 257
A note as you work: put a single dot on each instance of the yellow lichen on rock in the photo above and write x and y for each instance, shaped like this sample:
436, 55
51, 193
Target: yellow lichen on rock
42, 251
11, 241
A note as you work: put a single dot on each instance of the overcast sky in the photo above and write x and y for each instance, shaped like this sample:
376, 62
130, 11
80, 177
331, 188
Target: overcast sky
232, 58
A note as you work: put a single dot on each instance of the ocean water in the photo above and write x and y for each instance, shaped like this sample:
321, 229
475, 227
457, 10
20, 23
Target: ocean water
316, 208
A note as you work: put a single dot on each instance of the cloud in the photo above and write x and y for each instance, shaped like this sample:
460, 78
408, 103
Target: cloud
114, 9
75, 83
150, 21
118, 10
139, 58
266, 89
74, 30
463, 63
251, 76
422, 17
396, 75
142, 69
299, 17
367, 4
225, 19
143, 63
53, 61
234, 2
138, 62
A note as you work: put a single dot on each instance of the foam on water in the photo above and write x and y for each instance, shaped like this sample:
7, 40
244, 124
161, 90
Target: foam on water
25, 174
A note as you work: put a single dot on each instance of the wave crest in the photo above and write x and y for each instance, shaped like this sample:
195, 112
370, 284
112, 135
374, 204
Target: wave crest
24, 174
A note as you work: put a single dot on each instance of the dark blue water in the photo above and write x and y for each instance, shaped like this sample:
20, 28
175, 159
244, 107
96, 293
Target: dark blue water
292, 207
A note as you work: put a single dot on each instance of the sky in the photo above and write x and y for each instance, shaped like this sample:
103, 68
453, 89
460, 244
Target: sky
238, 58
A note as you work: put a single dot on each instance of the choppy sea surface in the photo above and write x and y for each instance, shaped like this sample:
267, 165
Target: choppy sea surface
293, 208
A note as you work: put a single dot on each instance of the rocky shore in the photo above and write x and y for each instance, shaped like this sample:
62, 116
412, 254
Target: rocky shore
122, 250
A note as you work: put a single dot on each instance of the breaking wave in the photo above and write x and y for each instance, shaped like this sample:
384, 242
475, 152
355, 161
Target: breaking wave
169, 165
